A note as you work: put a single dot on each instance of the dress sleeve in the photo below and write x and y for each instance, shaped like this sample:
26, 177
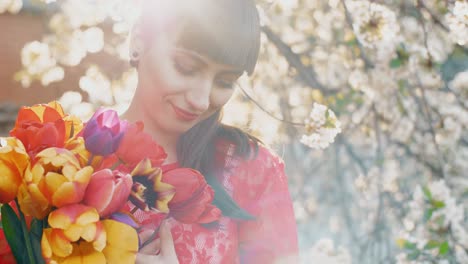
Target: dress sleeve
262, 189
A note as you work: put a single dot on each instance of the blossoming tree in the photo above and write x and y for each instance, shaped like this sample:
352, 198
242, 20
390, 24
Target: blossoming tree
391, 76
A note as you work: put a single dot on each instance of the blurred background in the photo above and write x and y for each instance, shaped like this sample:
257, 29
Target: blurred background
366, 101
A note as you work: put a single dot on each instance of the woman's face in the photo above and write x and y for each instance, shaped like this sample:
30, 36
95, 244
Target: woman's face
179, 88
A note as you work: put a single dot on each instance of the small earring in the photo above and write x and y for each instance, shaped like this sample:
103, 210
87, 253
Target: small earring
134, 59
135, 55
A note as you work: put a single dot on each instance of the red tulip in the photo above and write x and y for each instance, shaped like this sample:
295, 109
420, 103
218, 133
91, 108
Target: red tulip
192, 202
40, 126
108, 191
137, 145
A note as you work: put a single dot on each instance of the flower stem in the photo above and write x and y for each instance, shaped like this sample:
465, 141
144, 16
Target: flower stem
27, 240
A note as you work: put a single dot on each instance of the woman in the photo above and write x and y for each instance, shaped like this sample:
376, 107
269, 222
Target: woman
189, 55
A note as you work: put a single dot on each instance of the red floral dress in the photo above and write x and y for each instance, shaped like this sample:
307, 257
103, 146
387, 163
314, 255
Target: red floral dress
258, 186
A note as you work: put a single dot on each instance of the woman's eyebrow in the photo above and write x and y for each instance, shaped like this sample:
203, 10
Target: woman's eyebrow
200, 59
193, 55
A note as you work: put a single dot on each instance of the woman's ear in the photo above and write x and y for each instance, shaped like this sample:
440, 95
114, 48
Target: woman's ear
136, 44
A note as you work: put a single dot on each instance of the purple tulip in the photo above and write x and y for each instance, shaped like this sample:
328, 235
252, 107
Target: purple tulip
103, 132
125, 218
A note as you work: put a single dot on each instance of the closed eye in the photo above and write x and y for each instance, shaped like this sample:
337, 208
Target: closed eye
185, 64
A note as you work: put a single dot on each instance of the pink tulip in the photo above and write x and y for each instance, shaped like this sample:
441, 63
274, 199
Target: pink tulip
108, 191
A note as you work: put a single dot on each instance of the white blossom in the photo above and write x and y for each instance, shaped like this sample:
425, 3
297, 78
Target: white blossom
375, 26
322, 125
458, 21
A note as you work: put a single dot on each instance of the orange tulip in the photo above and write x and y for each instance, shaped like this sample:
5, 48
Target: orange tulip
74, 223
77, 236
40, 126
108, 191
13, 162
137, 145
55, 179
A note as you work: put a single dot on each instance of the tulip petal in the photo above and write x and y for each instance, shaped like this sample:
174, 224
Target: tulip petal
100, 143
73, 214
84, 175
84, 253
162, 203
100, 239
89, 232
126, 218
60, 245
211, 214
73, 232
122, 242
27, 114
32, 201
9, 183
54, 181
13, 163
52, 112
45, 244
68, 193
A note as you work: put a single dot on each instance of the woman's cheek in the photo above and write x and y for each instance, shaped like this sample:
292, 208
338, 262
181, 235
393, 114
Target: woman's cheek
221, 97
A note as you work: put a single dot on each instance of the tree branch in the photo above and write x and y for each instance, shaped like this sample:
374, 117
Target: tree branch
306, 74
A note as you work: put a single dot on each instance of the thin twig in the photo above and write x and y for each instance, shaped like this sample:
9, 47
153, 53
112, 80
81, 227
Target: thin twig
306, 74
268, 112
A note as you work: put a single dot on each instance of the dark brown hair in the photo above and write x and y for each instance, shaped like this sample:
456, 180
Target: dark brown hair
228, 33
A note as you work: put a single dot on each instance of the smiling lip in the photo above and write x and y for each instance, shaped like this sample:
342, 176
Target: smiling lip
184, 115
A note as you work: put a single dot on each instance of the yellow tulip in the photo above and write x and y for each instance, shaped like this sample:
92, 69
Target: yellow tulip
77, 236
13, 162
56, 179
122, 242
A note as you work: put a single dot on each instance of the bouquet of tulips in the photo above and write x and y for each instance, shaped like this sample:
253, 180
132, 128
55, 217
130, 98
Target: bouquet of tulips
69, 190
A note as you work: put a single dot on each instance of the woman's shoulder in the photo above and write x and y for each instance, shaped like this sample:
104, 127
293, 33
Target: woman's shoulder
250, 179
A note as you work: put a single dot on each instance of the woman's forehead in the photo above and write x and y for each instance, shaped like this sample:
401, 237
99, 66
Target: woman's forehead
207, 60
227, 36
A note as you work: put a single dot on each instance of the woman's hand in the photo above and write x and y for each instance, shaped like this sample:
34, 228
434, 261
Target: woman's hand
164, 244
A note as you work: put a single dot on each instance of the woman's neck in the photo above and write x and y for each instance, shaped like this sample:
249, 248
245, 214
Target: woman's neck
167, 140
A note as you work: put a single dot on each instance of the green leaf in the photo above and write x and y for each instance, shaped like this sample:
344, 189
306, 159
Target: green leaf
432, 244
37, 250
414, 255
352, 42
36, 228
427, 193
438, 204
409, 245
36, 236
444, 248
395, 63
428, 214
13, 233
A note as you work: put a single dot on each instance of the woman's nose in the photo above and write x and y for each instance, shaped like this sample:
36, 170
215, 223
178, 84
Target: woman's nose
199, 97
